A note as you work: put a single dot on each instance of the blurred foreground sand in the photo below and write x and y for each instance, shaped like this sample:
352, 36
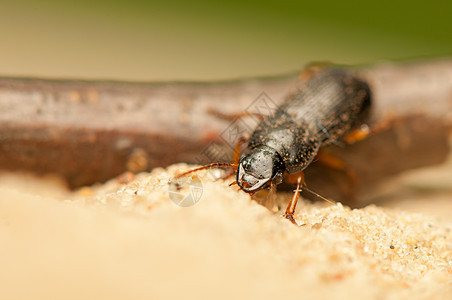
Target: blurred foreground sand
131, 241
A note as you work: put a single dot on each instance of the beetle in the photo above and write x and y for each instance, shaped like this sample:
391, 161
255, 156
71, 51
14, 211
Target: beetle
324, 109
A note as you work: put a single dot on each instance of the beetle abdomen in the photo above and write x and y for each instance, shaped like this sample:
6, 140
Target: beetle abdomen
333, 103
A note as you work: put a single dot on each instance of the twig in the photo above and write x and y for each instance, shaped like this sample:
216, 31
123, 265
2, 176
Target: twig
90, 131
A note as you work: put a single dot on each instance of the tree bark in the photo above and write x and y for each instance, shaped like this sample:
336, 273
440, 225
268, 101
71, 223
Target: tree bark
91, 131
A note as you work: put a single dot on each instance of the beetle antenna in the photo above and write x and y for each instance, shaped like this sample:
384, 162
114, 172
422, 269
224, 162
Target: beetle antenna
320, 196
209, 166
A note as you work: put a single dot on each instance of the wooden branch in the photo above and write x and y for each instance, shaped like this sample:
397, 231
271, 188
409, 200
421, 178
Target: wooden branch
90, 131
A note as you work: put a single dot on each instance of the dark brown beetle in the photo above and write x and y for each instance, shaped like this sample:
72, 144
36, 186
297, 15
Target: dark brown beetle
325, 109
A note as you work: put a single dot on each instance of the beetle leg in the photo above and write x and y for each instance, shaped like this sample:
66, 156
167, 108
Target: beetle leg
365, 130
233, 117
313, 69
358, 134
290, 210
331, 161
293, 178
338, 164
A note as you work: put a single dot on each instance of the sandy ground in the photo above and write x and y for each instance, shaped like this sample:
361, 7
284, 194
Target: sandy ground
130, 240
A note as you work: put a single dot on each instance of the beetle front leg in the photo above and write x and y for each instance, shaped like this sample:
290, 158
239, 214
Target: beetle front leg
290, 210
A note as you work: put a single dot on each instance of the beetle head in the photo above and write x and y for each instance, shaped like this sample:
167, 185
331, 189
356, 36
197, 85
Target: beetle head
259, 168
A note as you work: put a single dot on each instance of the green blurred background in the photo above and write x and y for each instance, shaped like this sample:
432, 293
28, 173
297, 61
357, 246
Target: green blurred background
201, 40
